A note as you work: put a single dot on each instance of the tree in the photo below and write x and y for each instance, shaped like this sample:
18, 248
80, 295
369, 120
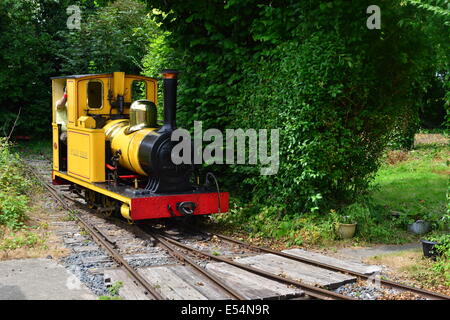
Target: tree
336, 89
112, 38
37, 44
28, 48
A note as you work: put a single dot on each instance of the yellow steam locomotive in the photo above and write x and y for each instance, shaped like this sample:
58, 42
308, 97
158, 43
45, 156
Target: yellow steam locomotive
110, 148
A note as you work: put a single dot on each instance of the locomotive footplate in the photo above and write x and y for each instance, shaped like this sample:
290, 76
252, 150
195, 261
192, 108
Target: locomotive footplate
145, 205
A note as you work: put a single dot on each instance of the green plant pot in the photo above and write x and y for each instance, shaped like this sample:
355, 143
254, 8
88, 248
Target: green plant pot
346, 231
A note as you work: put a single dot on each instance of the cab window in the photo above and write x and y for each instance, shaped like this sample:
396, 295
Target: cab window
138, 90
95, 94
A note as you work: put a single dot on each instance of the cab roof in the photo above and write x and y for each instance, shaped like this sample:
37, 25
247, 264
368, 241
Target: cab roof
77, 76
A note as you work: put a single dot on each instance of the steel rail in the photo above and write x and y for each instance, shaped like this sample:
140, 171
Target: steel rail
387, 283
173, 252
309, 290
183, 258
102, 240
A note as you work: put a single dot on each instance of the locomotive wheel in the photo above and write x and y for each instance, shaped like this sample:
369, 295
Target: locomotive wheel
108, 206
90, 198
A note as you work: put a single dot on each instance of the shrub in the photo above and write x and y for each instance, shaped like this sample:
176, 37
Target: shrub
333, 129
13, 188
12, 210
335, 89
442, 264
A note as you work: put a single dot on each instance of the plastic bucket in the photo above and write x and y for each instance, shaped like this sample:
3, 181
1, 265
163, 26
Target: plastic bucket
428, 249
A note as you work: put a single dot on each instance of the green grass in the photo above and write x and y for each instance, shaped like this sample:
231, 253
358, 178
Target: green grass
417, 186
41, 149
442, 131
25, 238
113, 291
14, 203
14, 186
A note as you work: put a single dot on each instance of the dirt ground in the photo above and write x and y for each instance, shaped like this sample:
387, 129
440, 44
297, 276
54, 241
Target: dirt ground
40, 236
428, 138
410, 267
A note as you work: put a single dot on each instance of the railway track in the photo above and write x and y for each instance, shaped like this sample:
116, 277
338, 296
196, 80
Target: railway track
385, 283
102, 240
168, 244
309, 290
189, 255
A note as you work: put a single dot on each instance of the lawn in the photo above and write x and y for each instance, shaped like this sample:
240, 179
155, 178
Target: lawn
414, 183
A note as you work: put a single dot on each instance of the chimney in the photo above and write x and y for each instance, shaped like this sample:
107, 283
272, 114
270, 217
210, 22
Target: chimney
170, 100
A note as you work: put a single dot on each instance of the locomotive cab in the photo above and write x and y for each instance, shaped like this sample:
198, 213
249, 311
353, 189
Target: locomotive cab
118, 155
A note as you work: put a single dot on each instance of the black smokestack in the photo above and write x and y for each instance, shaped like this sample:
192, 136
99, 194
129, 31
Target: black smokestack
170, 100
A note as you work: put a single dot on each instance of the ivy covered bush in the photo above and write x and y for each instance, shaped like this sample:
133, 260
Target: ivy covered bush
337, 90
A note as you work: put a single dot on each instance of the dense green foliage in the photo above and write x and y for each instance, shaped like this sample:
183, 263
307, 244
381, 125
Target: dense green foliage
442, 248
337, 90
13, 188
28, 47
36, 44
113, 38
432, 112
436, 80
